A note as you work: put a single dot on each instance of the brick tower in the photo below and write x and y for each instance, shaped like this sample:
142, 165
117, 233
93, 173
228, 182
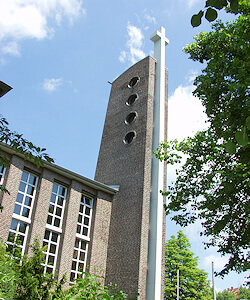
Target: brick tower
126, 160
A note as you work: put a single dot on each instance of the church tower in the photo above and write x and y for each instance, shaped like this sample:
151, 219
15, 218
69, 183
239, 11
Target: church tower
135, 124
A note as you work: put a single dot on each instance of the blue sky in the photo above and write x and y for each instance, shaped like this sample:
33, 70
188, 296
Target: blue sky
58, 55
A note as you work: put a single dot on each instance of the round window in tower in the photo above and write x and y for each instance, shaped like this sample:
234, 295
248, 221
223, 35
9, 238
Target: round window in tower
131, 100
129, 137
131, 118
133, 82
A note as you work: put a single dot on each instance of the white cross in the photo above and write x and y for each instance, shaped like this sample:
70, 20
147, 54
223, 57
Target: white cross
154, 280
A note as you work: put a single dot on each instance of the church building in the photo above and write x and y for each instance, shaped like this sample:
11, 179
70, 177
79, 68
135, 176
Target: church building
113, 225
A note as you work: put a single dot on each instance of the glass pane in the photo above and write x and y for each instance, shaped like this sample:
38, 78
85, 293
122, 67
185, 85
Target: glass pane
22, 227
83, 245
28, 201
82, 256
22, 187
81, 208
52, 248
78, 229
57, 222
32, 179
20, 240
1, 169
76, 243
72, 276
62, 191
25, 212
9, 248
13, 224
30, 190
55, 187
87, 201
45, 244
86, 221
75, 254
51, 260
73, 267
85, 231
17, 252
19, 198
11, 237
25, 176
60, 201
51, 208
53, 198
17, 209
58, 211
87, 211
80, 219
54, 237
80, 267
49, 270
46, 235
49, 220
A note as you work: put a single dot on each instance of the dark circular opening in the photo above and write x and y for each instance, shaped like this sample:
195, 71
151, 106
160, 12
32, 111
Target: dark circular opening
133, 82
131, 100
131, 118
129, 137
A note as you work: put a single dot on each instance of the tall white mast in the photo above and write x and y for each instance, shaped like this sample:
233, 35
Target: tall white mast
154, 279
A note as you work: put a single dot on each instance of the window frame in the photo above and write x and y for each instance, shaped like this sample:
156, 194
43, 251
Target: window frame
82, 238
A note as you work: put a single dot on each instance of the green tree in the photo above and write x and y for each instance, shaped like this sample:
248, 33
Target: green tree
225, 295
211, 10
213, 184
91, 288
193, 281
243, 293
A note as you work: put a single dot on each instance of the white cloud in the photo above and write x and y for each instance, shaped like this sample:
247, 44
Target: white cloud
185, 114
149, 18
52, 84
11, 48
23, 19
134, 45
219, 261
191, 3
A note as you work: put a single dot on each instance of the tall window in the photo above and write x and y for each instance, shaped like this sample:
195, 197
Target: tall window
2, 173
22, 212
82, 238
54, 226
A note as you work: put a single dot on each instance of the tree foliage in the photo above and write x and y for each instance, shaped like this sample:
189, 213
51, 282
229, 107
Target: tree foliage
211, 10
24, 278
193, 281
20, 145
225, 295
213, 184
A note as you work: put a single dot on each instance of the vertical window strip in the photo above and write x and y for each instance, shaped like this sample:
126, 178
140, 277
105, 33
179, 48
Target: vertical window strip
26, 195
2, 173
17, 238
82, 238
53, 227
57, 204
22, 214
51, 240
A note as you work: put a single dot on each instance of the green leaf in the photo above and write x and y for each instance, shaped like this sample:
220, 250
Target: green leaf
241, 138
219, 4
211, 14
234, 5
231, 148
196, 19
248, 122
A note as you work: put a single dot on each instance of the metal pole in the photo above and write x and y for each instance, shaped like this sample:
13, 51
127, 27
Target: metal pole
213, 282
178, 284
